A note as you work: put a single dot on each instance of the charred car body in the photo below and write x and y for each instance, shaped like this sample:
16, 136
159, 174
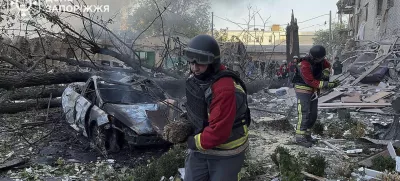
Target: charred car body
112, 113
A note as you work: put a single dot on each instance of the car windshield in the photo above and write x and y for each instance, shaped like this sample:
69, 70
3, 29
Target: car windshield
122, 94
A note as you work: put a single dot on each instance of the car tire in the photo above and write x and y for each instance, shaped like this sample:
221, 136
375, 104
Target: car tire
113, 145
98, 139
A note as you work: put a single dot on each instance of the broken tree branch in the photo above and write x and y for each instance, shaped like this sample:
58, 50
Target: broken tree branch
14, 63
337, 151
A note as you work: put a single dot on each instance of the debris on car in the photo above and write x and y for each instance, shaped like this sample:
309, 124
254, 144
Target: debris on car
112, 113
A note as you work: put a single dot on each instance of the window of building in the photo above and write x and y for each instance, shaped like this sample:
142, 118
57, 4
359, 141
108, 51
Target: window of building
142, 55
270, 39
366, 12
379, 7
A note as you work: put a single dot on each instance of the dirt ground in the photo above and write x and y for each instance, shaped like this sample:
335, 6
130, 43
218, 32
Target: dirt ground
53, 150
47, 144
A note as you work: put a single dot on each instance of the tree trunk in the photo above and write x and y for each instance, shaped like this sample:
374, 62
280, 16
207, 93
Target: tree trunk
28, 80
14, 63
12, 108
29, 93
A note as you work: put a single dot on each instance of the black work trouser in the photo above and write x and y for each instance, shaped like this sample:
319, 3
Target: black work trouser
202, 167
307, 110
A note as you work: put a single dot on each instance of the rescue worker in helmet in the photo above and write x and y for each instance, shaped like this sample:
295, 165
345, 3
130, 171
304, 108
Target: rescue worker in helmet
311, 76
217, 108
283, 70
337, 66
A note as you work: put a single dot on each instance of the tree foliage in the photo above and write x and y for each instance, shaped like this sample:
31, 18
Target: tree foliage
322, 37
183, 17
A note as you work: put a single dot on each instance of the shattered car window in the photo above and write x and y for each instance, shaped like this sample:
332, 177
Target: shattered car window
122, 94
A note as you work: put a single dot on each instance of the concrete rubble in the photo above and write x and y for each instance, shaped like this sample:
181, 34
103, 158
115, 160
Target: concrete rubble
360, 118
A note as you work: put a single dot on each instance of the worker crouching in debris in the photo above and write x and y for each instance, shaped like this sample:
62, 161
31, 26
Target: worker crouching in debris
217, 108
312, 74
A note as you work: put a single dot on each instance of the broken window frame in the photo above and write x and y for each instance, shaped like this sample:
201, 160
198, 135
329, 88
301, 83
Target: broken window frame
366, 11
379, 7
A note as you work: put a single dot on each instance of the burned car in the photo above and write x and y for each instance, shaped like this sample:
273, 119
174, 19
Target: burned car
113, 113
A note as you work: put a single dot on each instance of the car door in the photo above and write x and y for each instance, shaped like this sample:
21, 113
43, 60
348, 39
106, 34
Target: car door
69, 98
83, 105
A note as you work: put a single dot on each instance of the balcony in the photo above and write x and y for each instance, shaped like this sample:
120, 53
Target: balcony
346, 6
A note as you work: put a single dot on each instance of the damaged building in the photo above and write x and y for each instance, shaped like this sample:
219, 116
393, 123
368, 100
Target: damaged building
371, 51
371, 20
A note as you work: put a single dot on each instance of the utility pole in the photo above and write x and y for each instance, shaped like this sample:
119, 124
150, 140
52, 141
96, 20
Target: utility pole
212, 24
330, 25
255, 33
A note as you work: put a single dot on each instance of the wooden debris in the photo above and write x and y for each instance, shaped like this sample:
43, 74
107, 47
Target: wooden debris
377, 96
379, 111
12, 163
313, 176
373, 173
337, 150
368, 161
376, 65
378, 142
330, 96
352, 99
350, 105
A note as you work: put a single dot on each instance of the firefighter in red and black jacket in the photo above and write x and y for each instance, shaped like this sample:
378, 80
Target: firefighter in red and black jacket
312, 74
217, 107
283, 72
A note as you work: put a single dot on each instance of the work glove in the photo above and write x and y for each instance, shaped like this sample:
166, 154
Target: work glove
178, 131
333, 84
325, 74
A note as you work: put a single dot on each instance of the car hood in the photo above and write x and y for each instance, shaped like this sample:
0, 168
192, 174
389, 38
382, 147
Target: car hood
133, 116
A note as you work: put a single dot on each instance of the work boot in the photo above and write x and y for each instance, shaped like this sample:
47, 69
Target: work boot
303, 141
311, 139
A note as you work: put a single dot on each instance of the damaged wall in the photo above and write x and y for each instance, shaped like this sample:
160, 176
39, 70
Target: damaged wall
376, 20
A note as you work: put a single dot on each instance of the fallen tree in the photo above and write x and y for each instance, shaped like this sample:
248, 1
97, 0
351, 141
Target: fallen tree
12, 108
29, 93
28, 80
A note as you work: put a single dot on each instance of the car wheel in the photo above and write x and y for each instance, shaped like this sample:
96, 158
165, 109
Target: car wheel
98, 139
113, 142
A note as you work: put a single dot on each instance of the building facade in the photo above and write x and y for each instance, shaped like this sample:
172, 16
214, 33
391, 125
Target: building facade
371, 20
262, 37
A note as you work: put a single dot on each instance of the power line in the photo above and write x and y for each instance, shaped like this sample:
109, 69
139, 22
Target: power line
243, 23
313, 18
313, 26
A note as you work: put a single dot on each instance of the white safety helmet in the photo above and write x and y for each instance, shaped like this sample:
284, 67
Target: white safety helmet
295, 57
284, 61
